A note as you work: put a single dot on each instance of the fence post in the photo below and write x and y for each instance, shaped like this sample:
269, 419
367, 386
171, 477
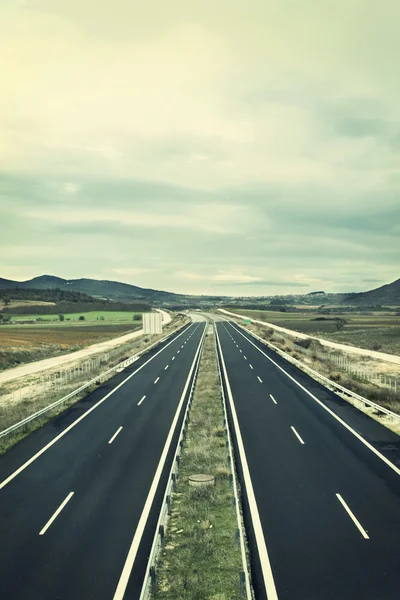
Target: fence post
153, 577
242, 583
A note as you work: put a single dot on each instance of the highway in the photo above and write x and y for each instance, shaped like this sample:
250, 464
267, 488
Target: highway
321, 481
80, 497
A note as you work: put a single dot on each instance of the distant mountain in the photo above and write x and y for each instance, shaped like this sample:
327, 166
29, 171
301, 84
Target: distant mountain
386, 295
111, 290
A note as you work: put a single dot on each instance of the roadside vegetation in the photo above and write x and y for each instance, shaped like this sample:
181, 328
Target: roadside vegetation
325, 361
377, 330
24, 396
199, 560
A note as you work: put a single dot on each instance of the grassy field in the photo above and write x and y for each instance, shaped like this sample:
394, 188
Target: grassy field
199, 560
25, 343
92, 317
373, 331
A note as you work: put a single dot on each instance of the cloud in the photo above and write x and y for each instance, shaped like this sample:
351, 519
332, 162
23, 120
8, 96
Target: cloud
132, 271
260, 282
251, 146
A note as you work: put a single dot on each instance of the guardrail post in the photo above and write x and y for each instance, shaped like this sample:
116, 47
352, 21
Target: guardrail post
242, 583
233, 505
162, 534
153, 577
237, 537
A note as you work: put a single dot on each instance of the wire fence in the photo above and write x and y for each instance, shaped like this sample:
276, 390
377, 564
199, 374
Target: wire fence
37, 397
344, 363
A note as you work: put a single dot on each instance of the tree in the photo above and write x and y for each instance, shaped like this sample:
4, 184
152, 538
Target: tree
137, 317
61, 317
81, 318
340, 323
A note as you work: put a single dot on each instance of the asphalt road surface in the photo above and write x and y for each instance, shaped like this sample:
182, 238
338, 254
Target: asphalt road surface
321, 480
82, 494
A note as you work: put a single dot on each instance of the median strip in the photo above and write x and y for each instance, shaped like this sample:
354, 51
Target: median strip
200, 552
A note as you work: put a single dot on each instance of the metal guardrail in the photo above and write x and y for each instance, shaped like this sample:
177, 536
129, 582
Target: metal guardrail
122, 365
244, 577
159, 537
324, 379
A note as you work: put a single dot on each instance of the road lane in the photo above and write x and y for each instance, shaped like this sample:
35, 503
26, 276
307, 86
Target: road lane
314, 547
83, 552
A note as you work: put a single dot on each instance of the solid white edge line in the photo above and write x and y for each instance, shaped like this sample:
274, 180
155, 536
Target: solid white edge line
79, 419
115, 435
55, 515
335, 416
156, 380
255, 516
130, 559
296, 434
273, 399
140, 401
259, 379
353, 517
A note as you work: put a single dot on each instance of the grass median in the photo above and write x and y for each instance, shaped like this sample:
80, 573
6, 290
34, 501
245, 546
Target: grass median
199, 560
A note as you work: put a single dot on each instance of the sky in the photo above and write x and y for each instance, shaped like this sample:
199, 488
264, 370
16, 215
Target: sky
226, 148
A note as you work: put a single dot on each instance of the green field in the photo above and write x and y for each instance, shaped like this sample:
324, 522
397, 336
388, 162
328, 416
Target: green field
373, 331
93, 317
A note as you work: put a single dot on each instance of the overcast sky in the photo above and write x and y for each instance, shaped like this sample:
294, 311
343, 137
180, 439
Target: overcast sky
212, 146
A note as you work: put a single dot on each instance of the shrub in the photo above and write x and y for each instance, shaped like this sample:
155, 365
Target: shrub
81, 318
61, 317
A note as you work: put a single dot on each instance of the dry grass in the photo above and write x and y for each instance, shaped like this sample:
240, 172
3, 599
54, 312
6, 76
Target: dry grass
24, 396
24, 344
319, 358
199, 561
27, 303
373, 331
